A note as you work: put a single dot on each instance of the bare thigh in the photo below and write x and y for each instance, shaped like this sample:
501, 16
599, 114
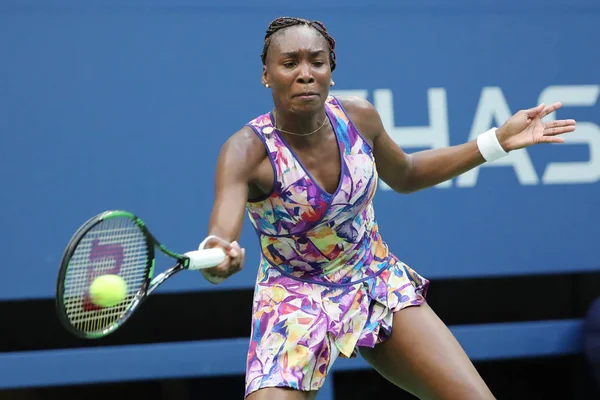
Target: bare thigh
423, 357
281, 394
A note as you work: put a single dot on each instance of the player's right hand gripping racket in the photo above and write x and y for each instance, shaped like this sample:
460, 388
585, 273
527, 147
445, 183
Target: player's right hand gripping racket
119, 243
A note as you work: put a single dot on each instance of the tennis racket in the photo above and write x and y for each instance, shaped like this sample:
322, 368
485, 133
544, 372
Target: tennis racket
119, 243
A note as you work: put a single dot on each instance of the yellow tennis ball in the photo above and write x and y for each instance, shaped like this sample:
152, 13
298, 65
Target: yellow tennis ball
108, 290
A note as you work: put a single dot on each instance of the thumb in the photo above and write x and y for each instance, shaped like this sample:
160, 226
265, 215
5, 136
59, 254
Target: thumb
535, 111
215, 241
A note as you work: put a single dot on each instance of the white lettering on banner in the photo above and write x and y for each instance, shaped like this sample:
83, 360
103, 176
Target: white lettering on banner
587, 133
492, 107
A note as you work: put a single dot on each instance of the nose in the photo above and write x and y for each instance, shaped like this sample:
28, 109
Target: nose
305, 74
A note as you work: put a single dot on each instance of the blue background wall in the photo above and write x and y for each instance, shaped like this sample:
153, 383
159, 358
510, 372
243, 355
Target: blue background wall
112, 104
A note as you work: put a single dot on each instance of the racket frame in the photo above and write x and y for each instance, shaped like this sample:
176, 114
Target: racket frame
148, 286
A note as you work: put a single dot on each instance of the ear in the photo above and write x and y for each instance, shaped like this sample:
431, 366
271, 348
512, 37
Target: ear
265, 77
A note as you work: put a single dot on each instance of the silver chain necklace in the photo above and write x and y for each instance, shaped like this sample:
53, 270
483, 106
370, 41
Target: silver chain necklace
293, 133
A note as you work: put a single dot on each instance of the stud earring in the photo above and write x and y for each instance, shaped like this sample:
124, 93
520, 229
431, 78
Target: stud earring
266, 85
332, 83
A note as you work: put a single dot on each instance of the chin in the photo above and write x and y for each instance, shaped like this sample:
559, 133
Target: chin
307, 107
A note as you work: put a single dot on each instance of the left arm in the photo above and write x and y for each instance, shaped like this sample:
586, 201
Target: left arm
407, 173
424, 168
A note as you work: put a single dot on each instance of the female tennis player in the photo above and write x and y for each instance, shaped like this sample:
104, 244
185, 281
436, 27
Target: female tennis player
327, 284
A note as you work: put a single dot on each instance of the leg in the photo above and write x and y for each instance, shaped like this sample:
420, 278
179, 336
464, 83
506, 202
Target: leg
281, 394
423, 357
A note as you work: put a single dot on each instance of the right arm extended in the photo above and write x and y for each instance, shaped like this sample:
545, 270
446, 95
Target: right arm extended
237, 166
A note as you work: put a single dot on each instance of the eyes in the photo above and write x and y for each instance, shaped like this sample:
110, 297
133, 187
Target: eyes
293, 64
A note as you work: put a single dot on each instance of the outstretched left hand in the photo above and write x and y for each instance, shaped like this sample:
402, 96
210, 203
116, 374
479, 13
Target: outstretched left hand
526, 128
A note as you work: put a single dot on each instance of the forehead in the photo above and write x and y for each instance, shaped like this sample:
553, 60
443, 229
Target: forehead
298, 38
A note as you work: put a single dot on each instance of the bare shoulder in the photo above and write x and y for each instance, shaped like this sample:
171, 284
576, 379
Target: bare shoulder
242, 151
364, 116
356, 104
245, 142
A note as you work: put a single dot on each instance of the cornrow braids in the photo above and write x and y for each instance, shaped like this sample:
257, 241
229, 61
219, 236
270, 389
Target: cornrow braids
285, 22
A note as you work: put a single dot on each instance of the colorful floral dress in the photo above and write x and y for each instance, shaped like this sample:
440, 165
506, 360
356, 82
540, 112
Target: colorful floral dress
327, 282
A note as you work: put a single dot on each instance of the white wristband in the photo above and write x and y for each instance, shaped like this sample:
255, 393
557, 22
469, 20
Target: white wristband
489, 146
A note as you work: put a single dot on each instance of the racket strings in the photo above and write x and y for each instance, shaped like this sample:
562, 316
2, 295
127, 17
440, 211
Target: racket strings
114, 246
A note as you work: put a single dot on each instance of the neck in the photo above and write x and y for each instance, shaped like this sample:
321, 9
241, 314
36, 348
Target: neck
299, 124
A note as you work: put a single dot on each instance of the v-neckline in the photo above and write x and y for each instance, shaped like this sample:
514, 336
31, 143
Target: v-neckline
306, 171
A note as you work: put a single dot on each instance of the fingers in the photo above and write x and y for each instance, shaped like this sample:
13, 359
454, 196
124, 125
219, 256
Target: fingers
551, 139
550, 109
542, 110
561, 122
559, 127
237, 255
535, 111
559, 131
232, 264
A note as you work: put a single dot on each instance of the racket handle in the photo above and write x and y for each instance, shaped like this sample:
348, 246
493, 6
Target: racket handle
207, 258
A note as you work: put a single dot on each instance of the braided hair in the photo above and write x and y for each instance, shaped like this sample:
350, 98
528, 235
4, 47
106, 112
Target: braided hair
285, 22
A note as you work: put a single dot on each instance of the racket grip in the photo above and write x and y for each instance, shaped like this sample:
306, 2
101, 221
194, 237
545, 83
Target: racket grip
207, 258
